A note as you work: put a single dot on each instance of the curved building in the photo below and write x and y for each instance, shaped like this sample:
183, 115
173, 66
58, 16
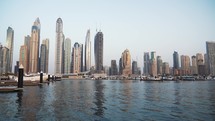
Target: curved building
87, 61
58, 46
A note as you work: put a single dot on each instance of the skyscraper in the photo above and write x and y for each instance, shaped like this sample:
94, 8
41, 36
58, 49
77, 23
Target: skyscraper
46, 43
82, 57
159, 65
194, 69
67, 56
34, 47
206, 68
87, 61
98, 52
76, 58
134, 68
165, 68
113, 69
153, 64
63, 59
43, 58
9, 45
27, 43
210, 48
175, 63
120, 66
58, 46
1, 58
146, 63
23, 57
126, 63
185, 65
5, 56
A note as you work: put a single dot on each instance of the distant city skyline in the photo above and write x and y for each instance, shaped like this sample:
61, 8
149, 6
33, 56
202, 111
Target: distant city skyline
140, 26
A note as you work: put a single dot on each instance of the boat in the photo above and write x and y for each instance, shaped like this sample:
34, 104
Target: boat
188, 78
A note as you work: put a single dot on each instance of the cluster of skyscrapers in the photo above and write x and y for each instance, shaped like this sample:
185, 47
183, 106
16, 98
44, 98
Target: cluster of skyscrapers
33, 56
75, 59
199, 64
79, 59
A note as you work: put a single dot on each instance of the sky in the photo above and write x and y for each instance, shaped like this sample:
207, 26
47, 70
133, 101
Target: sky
140, 26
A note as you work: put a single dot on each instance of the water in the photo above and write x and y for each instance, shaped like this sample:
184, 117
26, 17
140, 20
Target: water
111, 100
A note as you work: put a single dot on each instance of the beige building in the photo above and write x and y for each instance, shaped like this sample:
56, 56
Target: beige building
76, 58
46, 43
23, 57
126, 63
185, 65
34, 47
165, 68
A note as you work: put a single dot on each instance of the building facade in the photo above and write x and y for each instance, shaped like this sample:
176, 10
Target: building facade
27, 40
153, 64
76, 58
5, 60
175, 63
43, 58
98, 52
113, 69
67, 55
46, 43
210, 48
9, 44
134, 68
159, 65
126, 63
87, 59
146, 63
185, 65
194, 69
165, 68
23, 57
34, 47
59, 46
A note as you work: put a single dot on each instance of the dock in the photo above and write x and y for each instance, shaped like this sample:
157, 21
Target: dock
10, 89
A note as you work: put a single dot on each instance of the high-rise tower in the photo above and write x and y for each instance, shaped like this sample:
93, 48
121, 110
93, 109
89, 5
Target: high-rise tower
58, 46
210, 49
146, 63
98, 51
27, 43
87, 59
76, 58
9, 42
175, 63
34, 47
23, 57
126, 63
185, 65
43, 58
67, 56
46, 43
153, 65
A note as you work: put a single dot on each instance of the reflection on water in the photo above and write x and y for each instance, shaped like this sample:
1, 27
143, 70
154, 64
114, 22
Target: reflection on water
111, 100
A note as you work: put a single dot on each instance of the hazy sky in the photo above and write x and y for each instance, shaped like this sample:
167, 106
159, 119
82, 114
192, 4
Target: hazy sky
139, 25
